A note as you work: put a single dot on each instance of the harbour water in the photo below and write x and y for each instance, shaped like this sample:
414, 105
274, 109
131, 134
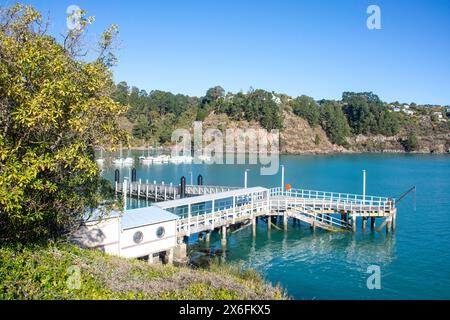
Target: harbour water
414, 261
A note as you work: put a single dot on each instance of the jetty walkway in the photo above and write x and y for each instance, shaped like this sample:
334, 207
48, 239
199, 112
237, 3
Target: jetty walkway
203, 208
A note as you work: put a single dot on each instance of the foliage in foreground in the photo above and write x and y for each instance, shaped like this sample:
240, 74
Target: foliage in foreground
45, 271
54, 110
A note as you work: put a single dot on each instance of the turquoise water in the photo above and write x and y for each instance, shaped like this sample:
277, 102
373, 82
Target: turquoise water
414, 261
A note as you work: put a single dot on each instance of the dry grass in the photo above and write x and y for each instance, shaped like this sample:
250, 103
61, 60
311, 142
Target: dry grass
40, 272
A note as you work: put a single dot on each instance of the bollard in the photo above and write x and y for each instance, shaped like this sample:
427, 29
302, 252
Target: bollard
183, 187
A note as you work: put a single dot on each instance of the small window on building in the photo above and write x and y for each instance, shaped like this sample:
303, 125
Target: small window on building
160, 232
138, 236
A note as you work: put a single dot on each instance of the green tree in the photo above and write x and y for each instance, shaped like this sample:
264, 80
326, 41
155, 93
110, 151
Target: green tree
317, 140
121, 93
202, 113
306, 108
54, 110
367, 114
334, 122
213, 95
257, 105
411, 143
141, 128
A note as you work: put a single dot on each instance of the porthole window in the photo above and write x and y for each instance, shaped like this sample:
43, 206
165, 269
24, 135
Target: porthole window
160, 232
138, 236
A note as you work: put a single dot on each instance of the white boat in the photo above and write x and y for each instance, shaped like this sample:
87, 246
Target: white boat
157, 160
142, 157
204, 158
128, 161
121, 161
176, 159
147, 160
101, 160
118, 161
181, 159
163, 158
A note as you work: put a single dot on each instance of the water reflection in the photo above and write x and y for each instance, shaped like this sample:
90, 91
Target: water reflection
300, 246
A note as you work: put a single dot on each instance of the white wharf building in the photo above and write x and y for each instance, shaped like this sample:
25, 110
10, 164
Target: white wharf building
148, 233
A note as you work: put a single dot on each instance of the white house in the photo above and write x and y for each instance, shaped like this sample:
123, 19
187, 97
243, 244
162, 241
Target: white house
148, 233
276, 99
438, 115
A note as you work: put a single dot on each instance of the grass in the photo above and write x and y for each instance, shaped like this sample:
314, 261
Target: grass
63, 271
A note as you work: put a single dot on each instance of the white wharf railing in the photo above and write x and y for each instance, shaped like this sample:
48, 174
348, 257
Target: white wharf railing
308, 214
164, 192
205, 189
216, 206
333, 200
205, 212
212, 220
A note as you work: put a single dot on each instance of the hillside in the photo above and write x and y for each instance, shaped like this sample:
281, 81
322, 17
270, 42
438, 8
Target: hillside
43, 272
432, 137
296, 137
359, 122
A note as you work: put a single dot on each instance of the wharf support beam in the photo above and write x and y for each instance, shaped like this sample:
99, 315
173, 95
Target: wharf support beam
285, 221
224, 235
179, 254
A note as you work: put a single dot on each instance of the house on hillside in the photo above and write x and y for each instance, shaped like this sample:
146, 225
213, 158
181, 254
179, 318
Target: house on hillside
403, 108
276, 99
438, 115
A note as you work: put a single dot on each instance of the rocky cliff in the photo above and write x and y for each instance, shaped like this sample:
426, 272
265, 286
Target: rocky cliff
298, 137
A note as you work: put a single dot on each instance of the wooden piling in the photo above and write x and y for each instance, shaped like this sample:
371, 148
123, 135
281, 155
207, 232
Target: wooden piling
224, 234
372, 222
394, 220
285, 221
388, 224
364, 222
254, 219
343, 218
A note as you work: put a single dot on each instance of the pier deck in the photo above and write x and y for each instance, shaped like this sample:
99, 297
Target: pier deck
205, 208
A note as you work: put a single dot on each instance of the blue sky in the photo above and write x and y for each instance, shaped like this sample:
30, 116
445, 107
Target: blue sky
318, 48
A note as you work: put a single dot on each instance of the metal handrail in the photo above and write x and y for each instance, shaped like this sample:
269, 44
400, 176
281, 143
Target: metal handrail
382, 202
